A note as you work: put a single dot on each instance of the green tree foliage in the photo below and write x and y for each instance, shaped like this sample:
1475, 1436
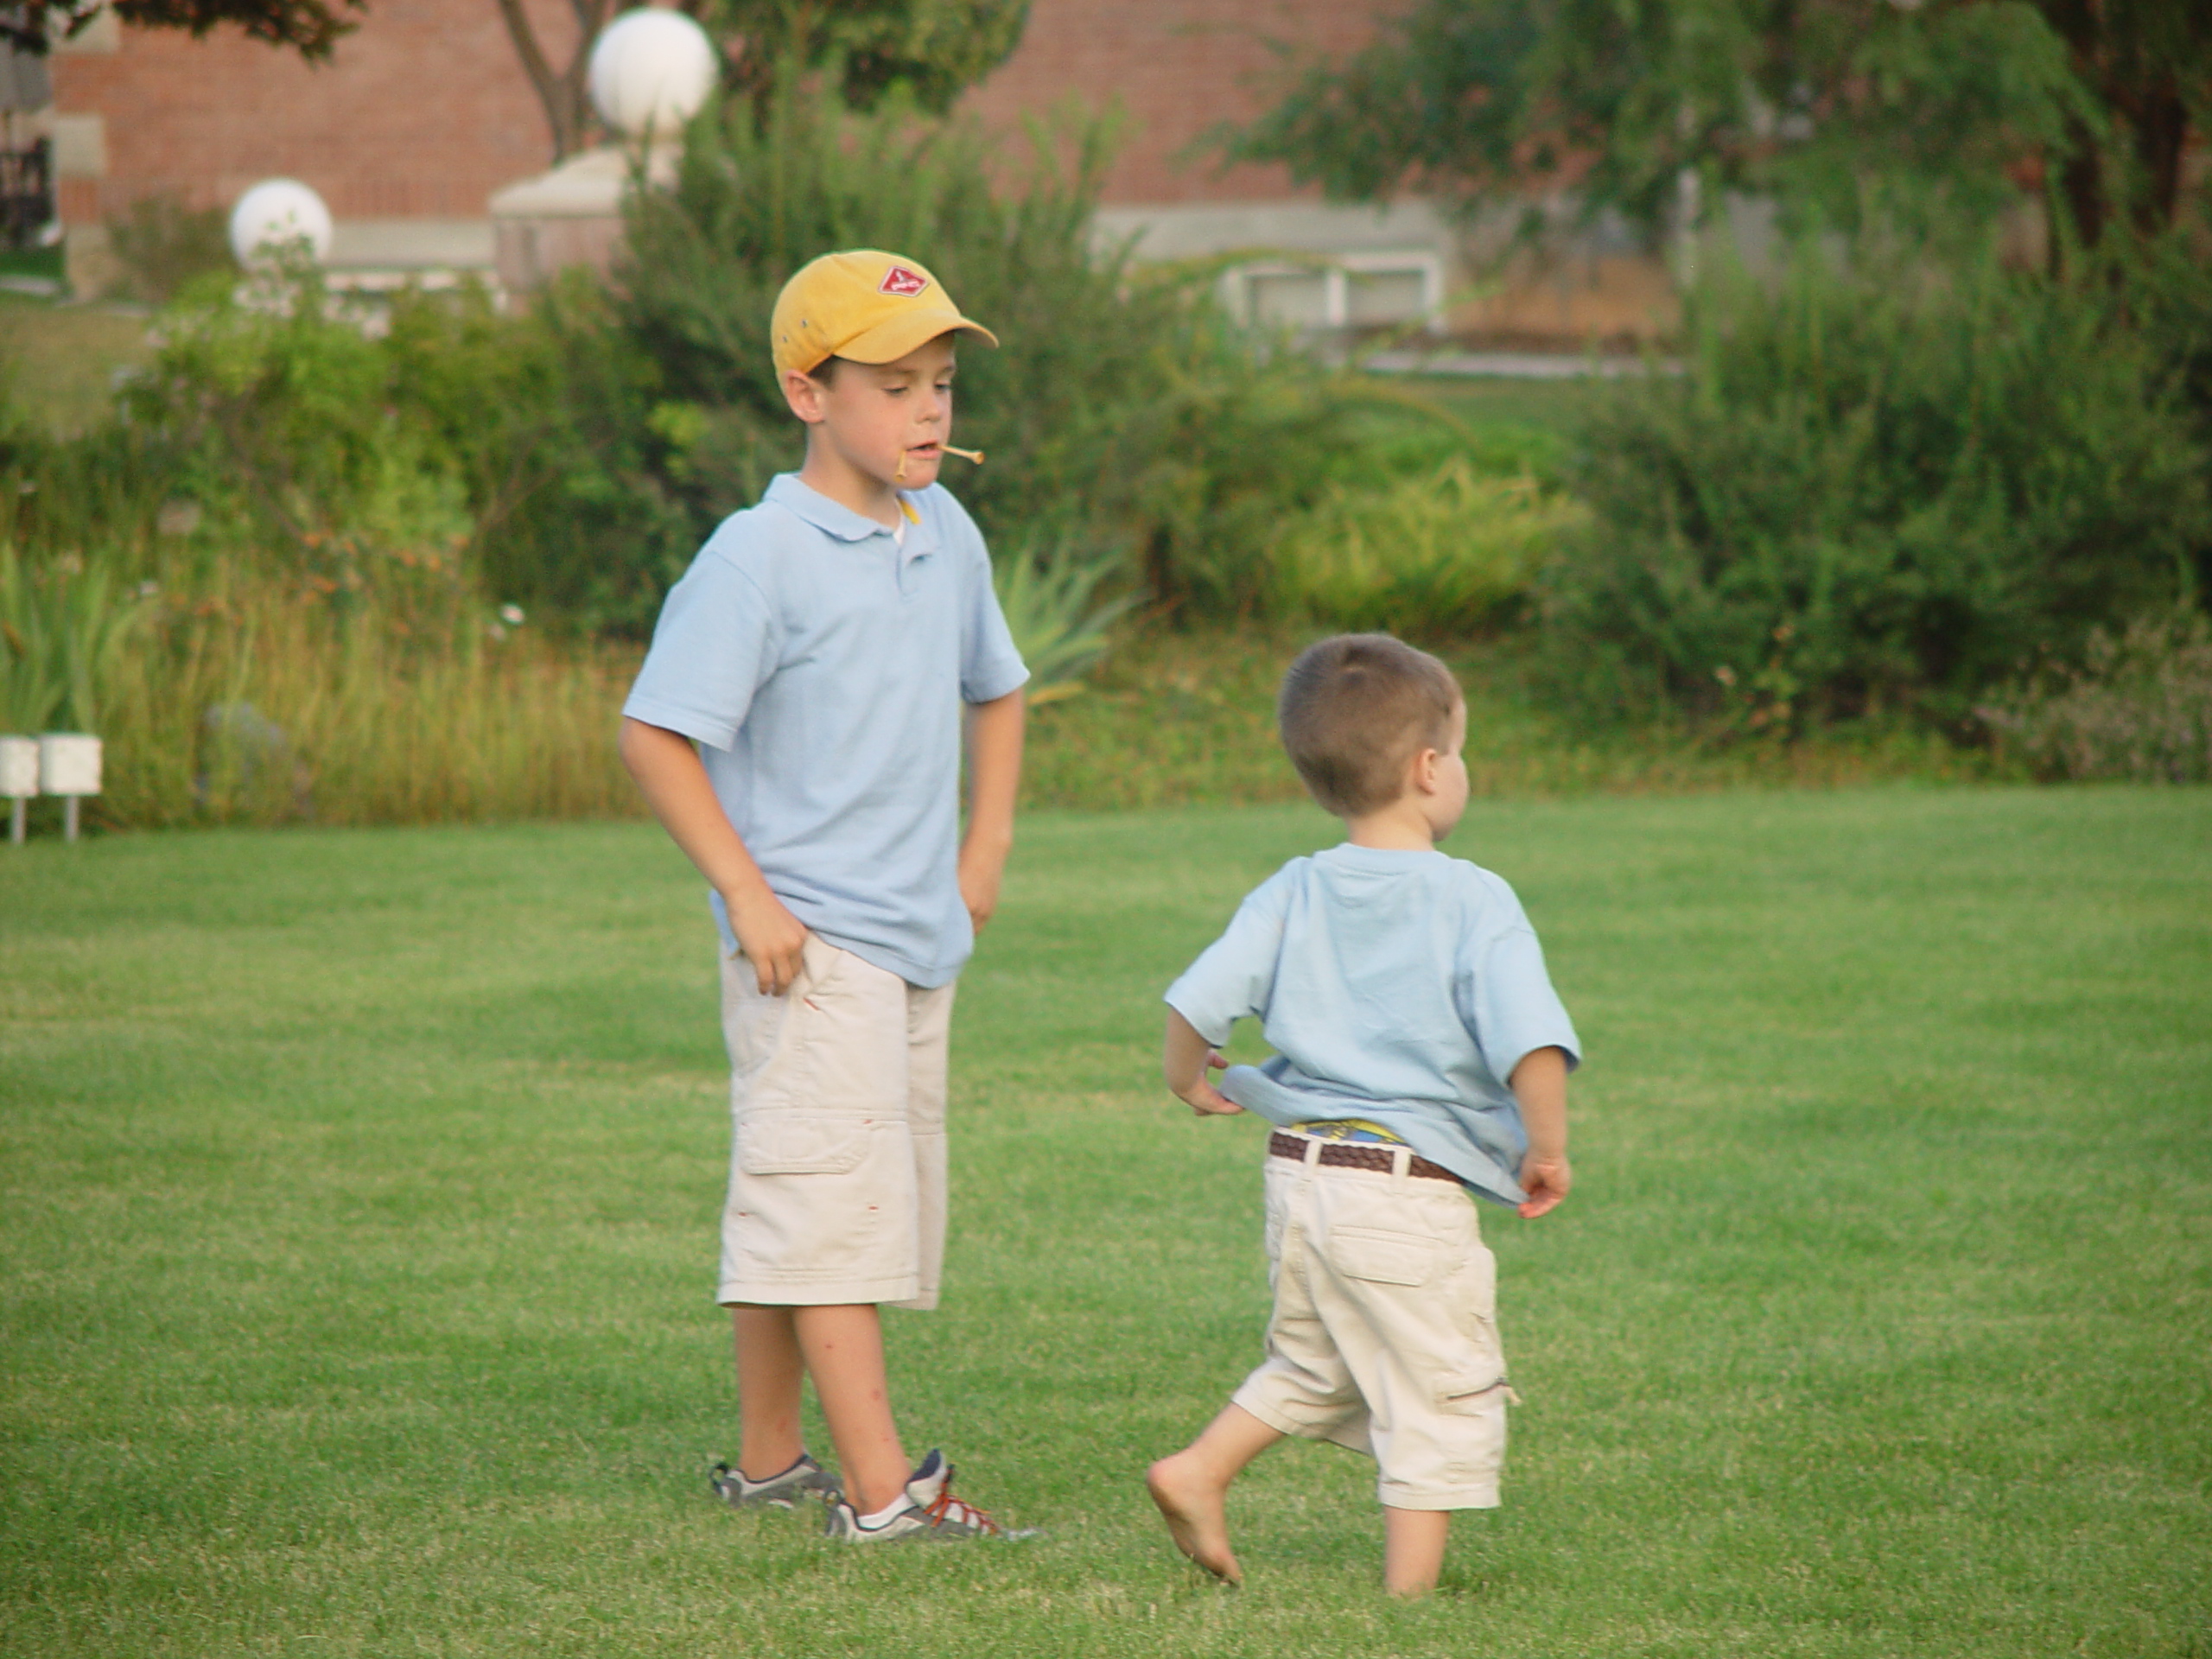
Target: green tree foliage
934, 49
311, 28
1920, 108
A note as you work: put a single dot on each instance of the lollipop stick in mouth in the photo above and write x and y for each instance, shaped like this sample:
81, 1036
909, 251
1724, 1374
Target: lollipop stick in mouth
976, 456
901, 473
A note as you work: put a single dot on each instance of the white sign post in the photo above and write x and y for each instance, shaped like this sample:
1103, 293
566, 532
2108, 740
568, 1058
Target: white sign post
18, 780
69, 765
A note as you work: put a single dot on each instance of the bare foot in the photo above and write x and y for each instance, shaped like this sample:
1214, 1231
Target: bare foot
1193, 1505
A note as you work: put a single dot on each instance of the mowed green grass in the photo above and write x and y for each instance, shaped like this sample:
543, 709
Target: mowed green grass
360, 1187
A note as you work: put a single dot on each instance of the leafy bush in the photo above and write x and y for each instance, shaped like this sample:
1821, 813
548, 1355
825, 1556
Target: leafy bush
1439, 553
296, 425
1864, 494
2139, 707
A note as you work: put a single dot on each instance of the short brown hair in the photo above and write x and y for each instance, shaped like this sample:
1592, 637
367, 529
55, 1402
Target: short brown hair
1355, 709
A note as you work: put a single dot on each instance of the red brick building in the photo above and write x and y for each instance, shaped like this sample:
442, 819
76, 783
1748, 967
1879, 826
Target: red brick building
425, 112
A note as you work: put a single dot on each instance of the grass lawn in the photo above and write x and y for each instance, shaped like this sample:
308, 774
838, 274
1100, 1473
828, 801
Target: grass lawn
359, 1192
1482, 400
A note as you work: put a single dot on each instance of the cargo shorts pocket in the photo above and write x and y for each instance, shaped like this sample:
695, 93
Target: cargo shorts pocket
1476, 1382
802, 1143
1477, 1389
1383, 1258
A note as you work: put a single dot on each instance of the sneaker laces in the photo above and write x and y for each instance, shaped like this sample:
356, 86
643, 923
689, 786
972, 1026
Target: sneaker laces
946, 1509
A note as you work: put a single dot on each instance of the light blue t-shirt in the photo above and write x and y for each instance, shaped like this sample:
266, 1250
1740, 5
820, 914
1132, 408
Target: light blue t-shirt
820, 664
1401, 988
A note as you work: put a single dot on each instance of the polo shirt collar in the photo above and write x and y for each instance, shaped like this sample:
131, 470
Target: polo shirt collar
831, 517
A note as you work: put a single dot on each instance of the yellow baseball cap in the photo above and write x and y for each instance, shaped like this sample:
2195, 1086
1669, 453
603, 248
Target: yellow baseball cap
863, 304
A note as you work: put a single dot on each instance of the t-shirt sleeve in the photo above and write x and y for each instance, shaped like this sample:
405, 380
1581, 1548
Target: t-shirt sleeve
1505, 996
1235, 977
990, 665
713, 648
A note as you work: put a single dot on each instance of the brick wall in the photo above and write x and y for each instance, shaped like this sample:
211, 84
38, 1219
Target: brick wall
1177, 67
424, 111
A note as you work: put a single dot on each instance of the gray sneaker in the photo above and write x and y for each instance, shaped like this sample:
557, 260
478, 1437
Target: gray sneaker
926, 1510
805, 1478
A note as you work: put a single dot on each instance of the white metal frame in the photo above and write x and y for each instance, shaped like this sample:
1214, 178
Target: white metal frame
1335, 272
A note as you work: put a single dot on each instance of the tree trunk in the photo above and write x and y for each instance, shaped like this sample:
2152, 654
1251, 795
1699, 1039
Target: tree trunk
2161, 123
568, 109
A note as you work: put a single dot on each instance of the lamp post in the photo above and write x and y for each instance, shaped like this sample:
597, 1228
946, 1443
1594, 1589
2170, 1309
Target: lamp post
278, 214
651, 71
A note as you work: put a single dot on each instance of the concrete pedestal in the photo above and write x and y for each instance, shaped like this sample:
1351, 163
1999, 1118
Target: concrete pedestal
571, 216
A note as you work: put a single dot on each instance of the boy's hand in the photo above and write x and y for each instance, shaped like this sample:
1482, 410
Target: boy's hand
1545, 1181
770, 937
1202, 1097
980, 875
1189, 1057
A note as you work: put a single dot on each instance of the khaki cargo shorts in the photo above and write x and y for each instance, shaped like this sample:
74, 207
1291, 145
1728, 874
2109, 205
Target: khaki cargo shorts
1384, 1333
836, 1179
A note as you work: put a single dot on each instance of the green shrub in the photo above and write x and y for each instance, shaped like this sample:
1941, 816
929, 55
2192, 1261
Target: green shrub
1441, 553
1863, 493
2138, 706
291, 423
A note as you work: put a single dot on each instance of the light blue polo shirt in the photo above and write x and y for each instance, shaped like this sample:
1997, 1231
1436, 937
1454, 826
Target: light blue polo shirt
1398, 987
821, 666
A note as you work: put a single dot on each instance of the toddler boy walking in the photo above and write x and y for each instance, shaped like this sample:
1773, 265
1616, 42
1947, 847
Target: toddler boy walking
1421, 1054
797, 728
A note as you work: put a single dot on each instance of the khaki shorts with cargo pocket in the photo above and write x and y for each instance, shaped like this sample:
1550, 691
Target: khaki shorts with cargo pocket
837, 1162
1384, 1333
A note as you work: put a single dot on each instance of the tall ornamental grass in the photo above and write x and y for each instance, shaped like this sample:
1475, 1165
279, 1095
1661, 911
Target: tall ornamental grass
252, 700
64, 625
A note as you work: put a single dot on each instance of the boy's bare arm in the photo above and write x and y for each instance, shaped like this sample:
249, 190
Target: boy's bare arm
674, 783
1187, 1059
1539, 1082
994, 731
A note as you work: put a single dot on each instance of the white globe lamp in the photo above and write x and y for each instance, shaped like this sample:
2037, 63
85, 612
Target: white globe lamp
650, 71
278, 214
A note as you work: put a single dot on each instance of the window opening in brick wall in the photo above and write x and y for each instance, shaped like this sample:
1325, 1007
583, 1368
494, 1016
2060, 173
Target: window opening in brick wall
1354, 291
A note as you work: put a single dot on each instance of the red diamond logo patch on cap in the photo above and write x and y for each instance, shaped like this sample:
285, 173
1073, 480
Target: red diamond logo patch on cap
902, 281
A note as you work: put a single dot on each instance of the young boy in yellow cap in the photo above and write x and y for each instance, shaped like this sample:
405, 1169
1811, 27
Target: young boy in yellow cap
797, 729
